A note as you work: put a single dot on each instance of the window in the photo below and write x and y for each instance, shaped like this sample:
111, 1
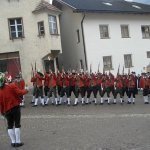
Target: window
148, 54
53, 25
104, 31
125, 31
78, 36
10, 62
128, 60
41, 28
16, 28
145, 31
107, 62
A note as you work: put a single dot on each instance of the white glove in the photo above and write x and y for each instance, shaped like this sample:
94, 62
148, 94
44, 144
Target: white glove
102, 89
27, 88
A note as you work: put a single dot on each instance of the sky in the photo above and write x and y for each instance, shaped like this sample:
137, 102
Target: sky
141, 1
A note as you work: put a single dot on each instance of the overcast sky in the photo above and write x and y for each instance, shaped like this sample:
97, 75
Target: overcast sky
141, 1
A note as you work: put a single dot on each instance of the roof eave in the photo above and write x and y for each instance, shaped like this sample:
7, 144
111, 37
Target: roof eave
62, 2
45, 9
107, 11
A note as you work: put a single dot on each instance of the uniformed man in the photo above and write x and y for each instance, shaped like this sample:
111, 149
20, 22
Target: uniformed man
118, 86
46, 85
131, 89
144, 85
92, 87
20, 83
80, 87
52, 88
106, 88
65, 90
39, 77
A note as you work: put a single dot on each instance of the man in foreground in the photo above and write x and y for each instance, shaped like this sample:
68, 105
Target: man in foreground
10, 108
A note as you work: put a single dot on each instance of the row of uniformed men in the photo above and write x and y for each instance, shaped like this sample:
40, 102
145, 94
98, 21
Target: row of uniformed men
85, 84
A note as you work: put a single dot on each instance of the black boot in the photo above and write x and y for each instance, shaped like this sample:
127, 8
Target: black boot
13, 144
19, 144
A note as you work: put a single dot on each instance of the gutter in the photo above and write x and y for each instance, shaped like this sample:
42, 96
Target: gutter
110, 11
83, 37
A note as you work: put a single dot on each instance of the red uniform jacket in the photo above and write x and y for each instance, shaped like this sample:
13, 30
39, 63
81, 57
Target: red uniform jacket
65, 81
144, 83
20, 84
39, 80
72, 80
10, 97
93, 81
46, 80
99, 81
119, 85
106, 84
131, 84
125, 82
33, 80
87, 81
52, 80
59, 80
112, 80
80, 81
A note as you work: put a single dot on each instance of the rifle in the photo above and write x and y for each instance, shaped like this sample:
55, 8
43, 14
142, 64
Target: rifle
32, 72
129, 71
90, 68
35, 66
62, 69
123, 71
98, 67
118, 69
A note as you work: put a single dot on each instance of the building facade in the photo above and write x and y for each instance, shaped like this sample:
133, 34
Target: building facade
105, 34
29, 36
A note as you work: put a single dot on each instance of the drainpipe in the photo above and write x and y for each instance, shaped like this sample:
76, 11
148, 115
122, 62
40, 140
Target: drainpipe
86, 66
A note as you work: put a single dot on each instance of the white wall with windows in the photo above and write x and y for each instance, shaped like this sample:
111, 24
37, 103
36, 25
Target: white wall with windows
118, 39
110, 40
28, 33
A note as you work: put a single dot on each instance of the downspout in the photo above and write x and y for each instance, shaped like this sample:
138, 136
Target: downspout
83, 37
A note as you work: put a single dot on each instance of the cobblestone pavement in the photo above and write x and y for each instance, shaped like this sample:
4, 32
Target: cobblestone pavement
89, 127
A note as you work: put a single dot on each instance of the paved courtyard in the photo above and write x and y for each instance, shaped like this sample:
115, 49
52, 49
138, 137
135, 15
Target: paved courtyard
89, 127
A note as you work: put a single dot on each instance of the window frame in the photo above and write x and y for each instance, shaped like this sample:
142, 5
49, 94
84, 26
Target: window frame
102, 32
109, 66
52, 22
122, 31
126, 64
144, 34
16, 30
39, 31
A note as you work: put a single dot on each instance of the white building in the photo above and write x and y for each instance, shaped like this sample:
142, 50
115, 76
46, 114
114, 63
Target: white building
29, 34
105, 32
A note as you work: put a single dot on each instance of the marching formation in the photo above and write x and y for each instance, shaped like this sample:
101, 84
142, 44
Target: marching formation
57, 88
